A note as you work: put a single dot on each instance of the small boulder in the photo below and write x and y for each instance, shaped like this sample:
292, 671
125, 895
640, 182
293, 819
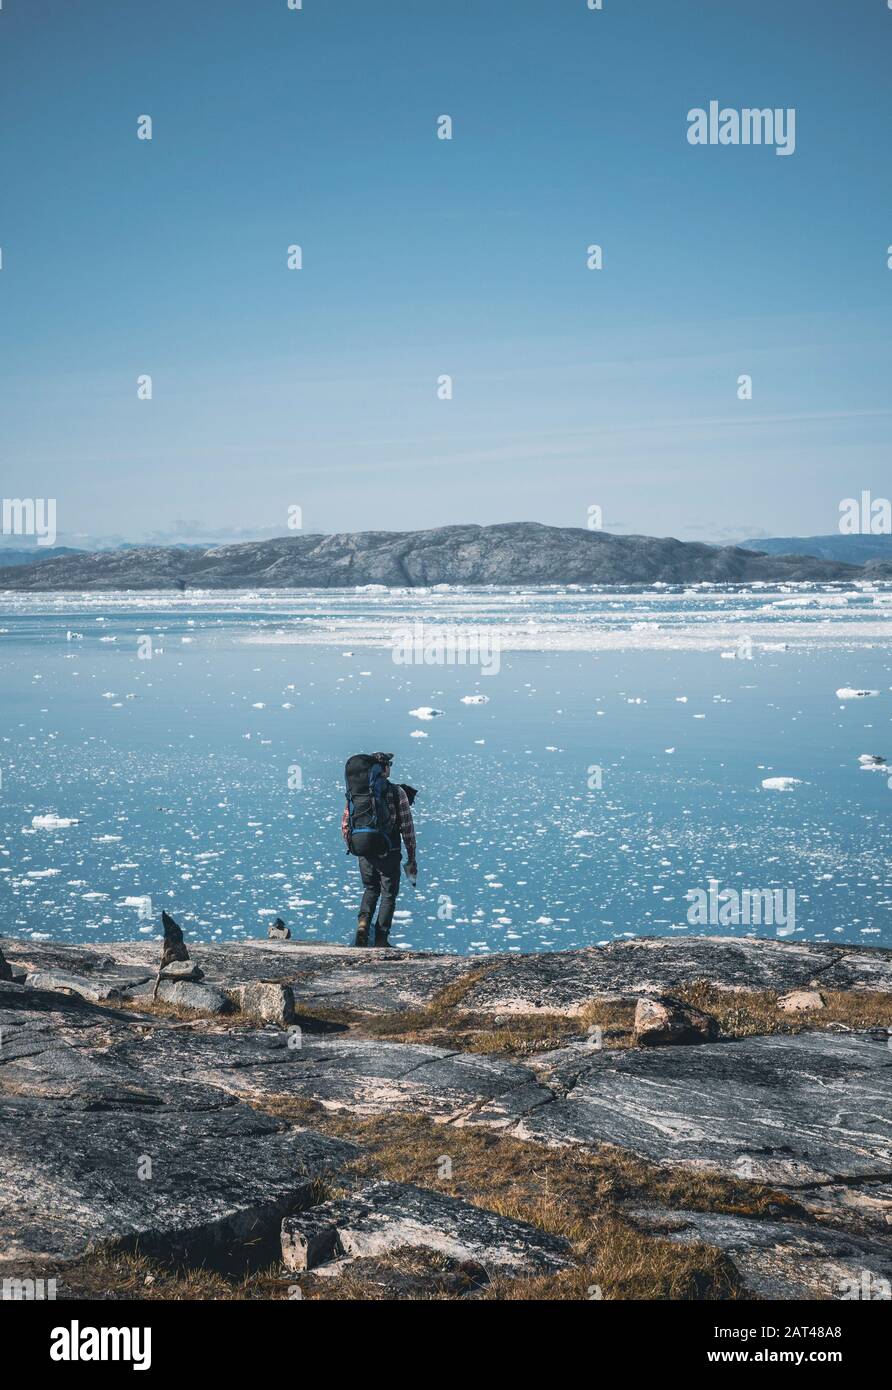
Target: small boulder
265, 1000
660, 1022
194, 996
800, 1001
390, 1216
182, 970
278, 931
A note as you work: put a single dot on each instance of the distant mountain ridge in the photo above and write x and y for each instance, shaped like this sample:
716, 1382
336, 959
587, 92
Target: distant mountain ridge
851, 550
20, 555
510, 553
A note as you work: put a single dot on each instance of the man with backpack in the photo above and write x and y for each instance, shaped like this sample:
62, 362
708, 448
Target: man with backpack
377, 815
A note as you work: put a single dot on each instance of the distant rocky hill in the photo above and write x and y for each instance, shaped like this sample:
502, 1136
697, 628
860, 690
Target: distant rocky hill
513, 553
851, 550
34, 555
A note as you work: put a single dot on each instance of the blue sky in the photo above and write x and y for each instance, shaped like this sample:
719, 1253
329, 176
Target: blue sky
317, 388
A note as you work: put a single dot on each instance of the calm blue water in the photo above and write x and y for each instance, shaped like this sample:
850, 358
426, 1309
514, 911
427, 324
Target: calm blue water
208, 778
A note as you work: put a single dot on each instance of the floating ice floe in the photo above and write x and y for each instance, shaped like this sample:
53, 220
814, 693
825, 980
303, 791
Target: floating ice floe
781, 784
475, 699
142, 904
813, 601
873, 762
848, 692
51, 822
426, 712
418, 733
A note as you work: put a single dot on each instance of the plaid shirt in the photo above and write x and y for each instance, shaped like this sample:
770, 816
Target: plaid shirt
407, 825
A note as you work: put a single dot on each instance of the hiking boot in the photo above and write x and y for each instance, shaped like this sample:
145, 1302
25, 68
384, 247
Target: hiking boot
362, 932
381, 937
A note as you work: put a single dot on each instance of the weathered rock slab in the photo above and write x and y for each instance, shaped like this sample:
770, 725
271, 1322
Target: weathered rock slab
392, 1216
564, 981
360, 1075
95, 1148
784, 1259
189, 1171
791, 1111
99, 988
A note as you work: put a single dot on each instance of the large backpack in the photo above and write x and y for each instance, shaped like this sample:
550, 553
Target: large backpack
371, 820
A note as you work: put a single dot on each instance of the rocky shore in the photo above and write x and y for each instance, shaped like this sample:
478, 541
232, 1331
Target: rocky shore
660, 1117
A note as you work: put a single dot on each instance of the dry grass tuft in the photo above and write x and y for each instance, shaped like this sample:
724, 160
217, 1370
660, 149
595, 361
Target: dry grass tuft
740, 1014
443, 1023
747, 1013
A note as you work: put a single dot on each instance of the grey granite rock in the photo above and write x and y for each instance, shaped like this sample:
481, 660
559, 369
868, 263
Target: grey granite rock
565, 981
79, 1116
264, 1000
386, 1216
189, 1171
182, 970
788, 1111
863, 1206
359, 1075
784, 1259
341, 977
198, 996
801, 1001
321, 976
661, 1021
100, 988
88, 1090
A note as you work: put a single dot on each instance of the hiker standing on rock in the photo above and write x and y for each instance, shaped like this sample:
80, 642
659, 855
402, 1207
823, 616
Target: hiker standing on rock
378, 813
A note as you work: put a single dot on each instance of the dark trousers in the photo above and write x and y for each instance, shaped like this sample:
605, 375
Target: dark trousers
380, 879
